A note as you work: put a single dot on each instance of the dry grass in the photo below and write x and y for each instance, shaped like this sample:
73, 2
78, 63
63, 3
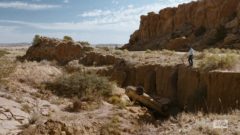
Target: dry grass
74, 66
119, 101
34, 74
223, 61
7, 66
167, 52
3, 53
221, 51
111, 128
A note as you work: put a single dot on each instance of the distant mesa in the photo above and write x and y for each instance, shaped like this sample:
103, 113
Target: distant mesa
63, 51
202, 24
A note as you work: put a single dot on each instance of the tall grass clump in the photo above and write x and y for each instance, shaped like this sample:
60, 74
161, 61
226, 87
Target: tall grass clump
82, 86
213, 62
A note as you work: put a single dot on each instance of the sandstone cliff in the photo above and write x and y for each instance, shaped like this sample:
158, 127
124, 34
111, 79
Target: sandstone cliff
203, 24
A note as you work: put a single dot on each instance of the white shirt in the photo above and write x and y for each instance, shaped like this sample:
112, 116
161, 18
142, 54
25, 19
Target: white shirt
190, 52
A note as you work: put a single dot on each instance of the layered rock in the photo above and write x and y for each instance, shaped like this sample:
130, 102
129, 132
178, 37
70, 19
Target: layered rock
204, 24
62, 51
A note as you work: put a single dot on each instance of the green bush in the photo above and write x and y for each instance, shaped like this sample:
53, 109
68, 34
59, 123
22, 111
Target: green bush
82, 86
67, 38
36, 40
213, 62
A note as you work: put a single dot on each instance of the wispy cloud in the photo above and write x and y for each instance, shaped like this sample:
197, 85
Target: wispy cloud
123, 19
65, 1
26, 6
96, 13
116, 2
72, 26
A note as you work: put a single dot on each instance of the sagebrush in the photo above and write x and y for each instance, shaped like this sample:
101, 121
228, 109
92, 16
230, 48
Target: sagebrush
82, 86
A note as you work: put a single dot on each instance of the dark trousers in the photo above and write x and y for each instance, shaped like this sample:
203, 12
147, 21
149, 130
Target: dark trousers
190, 60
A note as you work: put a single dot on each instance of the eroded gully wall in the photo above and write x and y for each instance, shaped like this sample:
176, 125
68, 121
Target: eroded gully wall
186, 87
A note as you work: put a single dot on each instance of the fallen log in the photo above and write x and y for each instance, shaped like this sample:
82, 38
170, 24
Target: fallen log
159, 105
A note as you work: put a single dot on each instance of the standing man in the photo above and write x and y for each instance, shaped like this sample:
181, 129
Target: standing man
190, 56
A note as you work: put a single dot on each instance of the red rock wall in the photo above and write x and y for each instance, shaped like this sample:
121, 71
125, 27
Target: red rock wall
223, 91
156, 30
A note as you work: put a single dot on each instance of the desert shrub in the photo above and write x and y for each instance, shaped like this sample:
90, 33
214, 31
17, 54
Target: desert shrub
36, 40
85, 43
148, 51
212, 62
73, 66
82, 86
117, 100
3, 52
200, 31
67, 38
118, 52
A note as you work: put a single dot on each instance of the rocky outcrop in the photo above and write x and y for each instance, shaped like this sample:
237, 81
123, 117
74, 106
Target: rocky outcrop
203, 23
188, 88
62, 51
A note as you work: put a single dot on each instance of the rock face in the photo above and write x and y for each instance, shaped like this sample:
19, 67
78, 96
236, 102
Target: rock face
53, 49
203, 24
188, 88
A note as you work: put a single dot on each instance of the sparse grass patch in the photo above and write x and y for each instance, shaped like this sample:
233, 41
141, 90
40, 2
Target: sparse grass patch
3, 52
111, 128
167, 52
7, 67
223, 61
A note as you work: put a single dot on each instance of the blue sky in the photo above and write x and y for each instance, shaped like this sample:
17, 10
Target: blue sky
96, 21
